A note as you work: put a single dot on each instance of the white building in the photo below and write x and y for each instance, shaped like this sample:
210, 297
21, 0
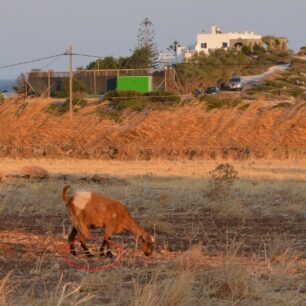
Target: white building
169, 59
207, 42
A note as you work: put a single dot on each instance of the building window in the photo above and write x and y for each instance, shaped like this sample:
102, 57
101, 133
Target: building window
225, 45
203, 45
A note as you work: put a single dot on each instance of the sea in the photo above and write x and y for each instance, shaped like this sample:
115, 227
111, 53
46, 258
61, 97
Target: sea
6, 87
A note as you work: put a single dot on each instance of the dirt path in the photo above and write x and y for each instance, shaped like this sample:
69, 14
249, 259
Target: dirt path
25, 239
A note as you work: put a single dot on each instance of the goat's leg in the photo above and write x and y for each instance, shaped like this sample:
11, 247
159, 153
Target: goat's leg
71, 237
102, 253
106, 243
86, 250
109, 253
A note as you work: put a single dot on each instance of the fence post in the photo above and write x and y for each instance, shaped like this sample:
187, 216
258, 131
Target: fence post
49, 84
95, 82
70, 84
26, 88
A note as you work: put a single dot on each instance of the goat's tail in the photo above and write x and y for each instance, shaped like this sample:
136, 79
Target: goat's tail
64, 194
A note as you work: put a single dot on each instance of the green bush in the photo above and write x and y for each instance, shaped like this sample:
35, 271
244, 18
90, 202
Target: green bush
106, 114
117, 94
159, 96
59, 108
246, 50
137, 101
213, 102
1, 98
77, 87
134, 104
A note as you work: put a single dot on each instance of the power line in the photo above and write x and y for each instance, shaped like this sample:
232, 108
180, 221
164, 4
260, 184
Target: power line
32, 61
51, 62
87, 55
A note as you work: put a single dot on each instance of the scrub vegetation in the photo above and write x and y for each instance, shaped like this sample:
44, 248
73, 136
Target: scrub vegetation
226, 234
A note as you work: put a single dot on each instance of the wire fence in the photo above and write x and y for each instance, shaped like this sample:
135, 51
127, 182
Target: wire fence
97, 82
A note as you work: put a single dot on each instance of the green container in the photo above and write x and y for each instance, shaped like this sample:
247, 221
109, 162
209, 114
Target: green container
141, 84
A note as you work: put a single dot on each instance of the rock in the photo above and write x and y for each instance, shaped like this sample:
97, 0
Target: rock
191, 154
39, 152
112, 152
34, 172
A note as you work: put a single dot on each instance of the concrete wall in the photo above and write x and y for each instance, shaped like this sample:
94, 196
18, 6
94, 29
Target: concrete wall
216, 40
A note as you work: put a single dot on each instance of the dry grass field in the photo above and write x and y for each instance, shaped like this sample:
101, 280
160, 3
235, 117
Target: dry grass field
218, 241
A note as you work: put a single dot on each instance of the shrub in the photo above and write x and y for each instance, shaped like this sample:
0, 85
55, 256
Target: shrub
246, 50
213, 102
1, 98
134, 104
282, 105
137, 101
59, 108
115, 95
77, 86
302, 51
106, 114
222, 180
159, 96
19, 86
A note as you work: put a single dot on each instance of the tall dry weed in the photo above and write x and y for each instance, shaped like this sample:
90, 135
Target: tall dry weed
175, 290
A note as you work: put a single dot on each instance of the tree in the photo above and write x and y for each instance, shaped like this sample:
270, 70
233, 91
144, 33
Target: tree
1, 98
246, 50
302, 51
140, 59
173, 47
20, 84
146, 41
78, 87
259, 50
109, 62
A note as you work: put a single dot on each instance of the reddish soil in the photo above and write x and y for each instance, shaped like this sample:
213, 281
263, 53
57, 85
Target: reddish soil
25, 239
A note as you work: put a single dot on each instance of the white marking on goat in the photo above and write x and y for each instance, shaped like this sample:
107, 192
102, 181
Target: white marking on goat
81, 198
114, 216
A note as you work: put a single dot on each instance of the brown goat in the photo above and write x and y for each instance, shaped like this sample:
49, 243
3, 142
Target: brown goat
91, 210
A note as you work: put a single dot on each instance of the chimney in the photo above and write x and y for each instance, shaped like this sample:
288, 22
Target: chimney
214, 29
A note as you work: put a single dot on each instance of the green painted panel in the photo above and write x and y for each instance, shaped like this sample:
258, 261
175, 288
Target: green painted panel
141, 84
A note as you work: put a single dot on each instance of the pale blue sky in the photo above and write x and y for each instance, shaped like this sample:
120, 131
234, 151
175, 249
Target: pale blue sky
37, 28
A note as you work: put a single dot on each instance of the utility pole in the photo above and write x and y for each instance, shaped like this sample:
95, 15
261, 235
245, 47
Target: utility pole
49, 84
70, 84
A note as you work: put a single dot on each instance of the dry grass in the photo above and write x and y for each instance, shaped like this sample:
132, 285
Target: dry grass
249, 169
245, 247
194, 279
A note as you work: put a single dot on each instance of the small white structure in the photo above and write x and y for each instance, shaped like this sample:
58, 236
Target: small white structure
169, 59
207, 42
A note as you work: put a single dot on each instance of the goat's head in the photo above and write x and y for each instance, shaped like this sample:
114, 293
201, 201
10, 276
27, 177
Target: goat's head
146, 242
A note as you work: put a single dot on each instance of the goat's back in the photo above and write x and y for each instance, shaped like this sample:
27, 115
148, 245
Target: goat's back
100, 211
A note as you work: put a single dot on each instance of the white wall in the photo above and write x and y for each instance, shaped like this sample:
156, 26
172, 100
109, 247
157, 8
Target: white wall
215, 40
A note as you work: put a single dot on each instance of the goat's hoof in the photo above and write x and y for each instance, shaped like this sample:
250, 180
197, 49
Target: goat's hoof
109, 254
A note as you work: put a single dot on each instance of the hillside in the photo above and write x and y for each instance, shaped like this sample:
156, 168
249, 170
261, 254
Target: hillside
270, 130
